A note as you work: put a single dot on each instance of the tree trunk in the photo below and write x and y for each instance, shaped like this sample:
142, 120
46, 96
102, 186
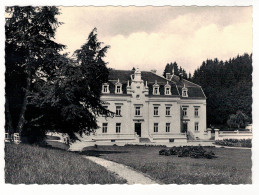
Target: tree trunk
9, 121
25, 102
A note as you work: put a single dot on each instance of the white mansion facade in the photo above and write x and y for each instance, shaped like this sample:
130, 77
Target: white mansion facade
151, 108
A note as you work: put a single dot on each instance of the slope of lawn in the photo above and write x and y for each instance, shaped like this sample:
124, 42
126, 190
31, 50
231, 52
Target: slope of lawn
31, 164
232, 166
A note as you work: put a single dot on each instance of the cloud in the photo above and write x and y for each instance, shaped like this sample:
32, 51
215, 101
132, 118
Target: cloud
150, 37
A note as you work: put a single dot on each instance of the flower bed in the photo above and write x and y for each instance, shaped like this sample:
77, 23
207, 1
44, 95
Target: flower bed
188, 151
235, 142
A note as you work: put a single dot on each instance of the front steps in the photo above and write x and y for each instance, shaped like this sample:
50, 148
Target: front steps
144, 140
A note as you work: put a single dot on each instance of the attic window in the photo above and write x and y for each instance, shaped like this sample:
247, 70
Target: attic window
118, 87
105, 88
156, 89
184, 92
167, 89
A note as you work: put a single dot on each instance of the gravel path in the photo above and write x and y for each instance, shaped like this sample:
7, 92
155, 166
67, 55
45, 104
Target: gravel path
132, 177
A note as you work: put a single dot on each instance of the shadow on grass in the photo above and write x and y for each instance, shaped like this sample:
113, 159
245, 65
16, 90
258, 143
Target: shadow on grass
98, 153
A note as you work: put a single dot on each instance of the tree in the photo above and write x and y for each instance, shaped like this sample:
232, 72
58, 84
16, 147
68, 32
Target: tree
228, 87
241, 119
238, 120
173, 66
31, 55
71, 102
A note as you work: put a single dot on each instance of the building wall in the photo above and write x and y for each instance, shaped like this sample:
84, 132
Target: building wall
113, 101
191, 118
137, 96
162, 119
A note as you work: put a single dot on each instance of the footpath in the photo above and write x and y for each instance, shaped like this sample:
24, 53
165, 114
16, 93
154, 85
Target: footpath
132, 176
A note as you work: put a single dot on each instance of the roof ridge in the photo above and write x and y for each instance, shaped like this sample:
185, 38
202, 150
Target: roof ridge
193, 83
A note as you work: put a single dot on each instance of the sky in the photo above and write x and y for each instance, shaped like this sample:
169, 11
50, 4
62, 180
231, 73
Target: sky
150, 37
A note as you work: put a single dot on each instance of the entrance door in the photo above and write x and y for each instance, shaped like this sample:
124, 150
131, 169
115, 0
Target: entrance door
138, 129
185, 127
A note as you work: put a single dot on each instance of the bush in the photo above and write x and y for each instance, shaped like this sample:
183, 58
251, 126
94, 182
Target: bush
235, 142
188, 151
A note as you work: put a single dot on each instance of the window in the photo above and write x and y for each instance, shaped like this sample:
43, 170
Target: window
105, 88
118, 110
196, 111
167, 111
155, 127
137, 111
196, 127
118, 89
118, 127
167, 91
156, 91
156, 111
184, 111
105, 127
167, 127
184, 91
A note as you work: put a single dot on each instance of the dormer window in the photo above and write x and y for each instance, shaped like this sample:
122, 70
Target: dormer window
105, 88
118, 87
156, 89
184, 92
167, 89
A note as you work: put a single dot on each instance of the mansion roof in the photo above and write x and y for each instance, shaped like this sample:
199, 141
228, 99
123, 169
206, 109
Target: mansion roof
194, 90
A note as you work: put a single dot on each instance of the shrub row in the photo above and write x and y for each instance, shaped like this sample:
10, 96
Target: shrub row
235, 142
188, 151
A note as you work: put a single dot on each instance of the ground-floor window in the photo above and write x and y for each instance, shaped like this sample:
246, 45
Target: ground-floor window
196, 127
167, 127
155, 127
118, 127
104, 127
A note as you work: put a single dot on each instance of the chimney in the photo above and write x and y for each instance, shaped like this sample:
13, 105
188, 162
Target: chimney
153, 71
168, 76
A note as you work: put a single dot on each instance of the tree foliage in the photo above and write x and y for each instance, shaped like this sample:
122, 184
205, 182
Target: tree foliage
177, 71
228, 87
70, 103
30, 55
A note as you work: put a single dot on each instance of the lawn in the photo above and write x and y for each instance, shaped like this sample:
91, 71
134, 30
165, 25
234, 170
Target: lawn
26, 164
232, 166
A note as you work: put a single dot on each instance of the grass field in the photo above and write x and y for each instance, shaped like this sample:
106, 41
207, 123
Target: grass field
31, 164
232, 166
